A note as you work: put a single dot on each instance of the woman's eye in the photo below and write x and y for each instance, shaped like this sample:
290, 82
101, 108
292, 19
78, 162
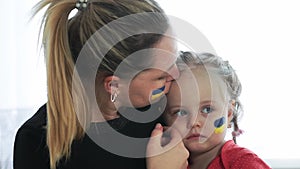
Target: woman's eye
207, 110
181, 113
162, 78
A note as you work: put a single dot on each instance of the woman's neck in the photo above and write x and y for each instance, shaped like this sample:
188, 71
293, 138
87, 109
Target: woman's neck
105, 111
202, 160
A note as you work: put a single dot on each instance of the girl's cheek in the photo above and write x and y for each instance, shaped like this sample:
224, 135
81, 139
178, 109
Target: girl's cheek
220, 125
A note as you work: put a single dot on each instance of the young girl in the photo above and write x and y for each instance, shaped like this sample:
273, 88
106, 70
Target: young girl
202, 104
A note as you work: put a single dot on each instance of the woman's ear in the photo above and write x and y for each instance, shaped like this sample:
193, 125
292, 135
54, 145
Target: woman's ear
111, 84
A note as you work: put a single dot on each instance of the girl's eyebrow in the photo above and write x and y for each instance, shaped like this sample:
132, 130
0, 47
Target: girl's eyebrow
207, 102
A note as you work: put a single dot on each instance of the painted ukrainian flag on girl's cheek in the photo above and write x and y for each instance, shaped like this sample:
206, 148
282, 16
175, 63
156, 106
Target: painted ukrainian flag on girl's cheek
157, 93
220, 125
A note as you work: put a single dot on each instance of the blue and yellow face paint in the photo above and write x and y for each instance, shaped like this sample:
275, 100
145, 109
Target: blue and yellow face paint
220, 125
157, 93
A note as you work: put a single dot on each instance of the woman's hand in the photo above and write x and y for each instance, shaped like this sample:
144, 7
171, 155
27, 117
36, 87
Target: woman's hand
166, 152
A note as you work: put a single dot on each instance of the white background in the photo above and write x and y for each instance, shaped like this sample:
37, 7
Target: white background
260, 39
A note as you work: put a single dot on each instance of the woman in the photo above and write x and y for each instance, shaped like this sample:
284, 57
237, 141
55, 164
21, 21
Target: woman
110, 56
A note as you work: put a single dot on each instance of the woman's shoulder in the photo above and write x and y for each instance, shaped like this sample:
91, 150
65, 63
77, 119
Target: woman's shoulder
30, 150
34, 127
38, 120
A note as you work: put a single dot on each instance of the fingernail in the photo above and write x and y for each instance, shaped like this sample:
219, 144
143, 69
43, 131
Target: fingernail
158, 126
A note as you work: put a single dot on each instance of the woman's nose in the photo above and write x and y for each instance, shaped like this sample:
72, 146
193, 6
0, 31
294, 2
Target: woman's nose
174, 73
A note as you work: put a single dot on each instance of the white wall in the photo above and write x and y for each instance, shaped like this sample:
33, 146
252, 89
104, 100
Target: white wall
22, 86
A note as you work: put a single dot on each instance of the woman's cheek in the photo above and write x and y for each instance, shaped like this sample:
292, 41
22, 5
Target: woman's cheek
167, 87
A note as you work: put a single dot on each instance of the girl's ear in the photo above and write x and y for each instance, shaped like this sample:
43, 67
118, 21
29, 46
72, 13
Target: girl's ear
111, 84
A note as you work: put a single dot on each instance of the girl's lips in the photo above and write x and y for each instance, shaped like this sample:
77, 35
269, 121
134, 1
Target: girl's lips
195, 136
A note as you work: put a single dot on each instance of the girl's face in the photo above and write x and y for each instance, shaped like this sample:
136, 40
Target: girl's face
198, 108
151, 84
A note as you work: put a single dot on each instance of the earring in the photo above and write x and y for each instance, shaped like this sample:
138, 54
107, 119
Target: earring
113, 97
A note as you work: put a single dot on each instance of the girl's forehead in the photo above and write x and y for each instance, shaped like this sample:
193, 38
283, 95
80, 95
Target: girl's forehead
203, 80
196, 74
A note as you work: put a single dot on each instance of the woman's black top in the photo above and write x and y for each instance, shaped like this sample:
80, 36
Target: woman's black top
31, 151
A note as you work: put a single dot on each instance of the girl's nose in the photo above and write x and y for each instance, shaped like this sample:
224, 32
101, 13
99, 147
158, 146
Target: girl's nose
194, 121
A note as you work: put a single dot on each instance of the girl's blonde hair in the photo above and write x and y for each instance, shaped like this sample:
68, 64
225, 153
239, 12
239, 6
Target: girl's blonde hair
63, 39
224, 70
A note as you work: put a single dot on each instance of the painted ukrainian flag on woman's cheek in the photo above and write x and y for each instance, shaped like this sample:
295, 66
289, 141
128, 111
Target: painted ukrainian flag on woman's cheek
157, 93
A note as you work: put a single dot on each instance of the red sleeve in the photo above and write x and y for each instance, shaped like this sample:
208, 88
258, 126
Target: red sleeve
250, 161
236, 157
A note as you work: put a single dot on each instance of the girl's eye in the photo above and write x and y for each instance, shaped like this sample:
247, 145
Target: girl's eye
207, 110
181, 113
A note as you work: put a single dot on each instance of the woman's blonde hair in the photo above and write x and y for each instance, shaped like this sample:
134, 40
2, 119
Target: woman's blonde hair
63, 39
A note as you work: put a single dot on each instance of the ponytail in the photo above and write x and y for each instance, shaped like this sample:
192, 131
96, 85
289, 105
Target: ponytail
62, 124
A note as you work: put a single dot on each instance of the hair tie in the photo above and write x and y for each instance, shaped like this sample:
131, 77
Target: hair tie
237, 133
81, 4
